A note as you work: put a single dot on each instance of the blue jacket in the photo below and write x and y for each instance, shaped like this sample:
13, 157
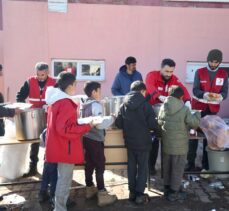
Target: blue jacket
122, 82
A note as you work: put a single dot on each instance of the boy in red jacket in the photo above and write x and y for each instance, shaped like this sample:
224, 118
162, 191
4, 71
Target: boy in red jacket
63, 138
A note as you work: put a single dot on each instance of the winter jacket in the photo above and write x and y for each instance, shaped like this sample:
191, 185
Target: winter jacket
175, 119
93, 108
122, 82
137, 119
155, 83
63, 137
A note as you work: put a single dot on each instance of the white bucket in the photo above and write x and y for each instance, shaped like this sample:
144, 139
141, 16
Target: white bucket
218, 161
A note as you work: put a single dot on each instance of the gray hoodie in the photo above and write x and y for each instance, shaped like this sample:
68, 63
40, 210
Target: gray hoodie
93, 108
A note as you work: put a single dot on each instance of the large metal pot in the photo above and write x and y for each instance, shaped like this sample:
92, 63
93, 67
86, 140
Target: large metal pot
30, 123
156, 108
111, 105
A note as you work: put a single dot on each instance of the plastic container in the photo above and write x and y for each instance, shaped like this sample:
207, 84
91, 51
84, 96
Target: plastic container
218, 161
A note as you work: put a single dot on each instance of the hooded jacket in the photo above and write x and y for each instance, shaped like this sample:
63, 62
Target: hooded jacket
175, 120
122, 82
136, 118
63, 137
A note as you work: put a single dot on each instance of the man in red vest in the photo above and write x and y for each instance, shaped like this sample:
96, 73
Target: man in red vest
210, 88
34, 90
157, 84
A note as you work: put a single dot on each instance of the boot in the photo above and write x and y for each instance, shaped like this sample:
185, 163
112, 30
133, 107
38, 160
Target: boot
43, 196
32, 171
190, 167
104, 198
166, 190
91, 192
142, 199
132, 196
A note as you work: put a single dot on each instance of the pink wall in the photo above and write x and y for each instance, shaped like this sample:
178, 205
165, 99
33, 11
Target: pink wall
1, 62
109, 32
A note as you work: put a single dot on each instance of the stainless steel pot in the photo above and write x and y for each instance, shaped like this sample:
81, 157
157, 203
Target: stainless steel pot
30, 124
111, 105
156, 108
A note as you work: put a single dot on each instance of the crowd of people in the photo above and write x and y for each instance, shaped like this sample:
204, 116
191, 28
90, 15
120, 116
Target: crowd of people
69, 143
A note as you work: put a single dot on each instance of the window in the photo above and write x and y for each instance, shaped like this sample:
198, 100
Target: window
84, 70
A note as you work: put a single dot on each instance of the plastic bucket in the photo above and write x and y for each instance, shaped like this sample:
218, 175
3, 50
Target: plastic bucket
218, 161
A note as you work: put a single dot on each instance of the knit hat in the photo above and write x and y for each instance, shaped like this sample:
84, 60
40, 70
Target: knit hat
176, 91
215, 54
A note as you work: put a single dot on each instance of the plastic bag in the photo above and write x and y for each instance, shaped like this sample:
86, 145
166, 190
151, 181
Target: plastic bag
216, 132
13, 158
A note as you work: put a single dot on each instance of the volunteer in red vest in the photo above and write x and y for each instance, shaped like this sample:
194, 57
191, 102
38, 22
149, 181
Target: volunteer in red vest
34, 90
157, 84
210, 88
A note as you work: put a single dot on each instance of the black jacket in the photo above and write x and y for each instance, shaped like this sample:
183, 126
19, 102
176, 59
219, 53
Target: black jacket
136, 118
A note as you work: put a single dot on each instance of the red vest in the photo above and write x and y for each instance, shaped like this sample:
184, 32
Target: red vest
36, 97
206, 86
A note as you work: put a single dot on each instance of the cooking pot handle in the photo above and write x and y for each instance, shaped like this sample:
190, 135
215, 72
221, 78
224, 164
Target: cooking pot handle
33, 115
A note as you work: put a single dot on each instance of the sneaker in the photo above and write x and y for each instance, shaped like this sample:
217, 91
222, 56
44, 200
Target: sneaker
205, 176
105, 198
142, 199
91, 191
43, 196
132, 196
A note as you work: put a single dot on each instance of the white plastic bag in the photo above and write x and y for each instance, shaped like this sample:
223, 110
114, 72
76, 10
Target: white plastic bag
216, 132
13, 158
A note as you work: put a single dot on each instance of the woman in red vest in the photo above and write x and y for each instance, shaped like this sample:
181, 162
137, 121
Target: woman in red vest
34, 90
210, 88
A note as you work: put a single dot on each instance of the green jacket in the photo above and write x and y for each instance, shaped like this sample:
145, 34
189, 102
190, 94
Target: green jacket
175, 120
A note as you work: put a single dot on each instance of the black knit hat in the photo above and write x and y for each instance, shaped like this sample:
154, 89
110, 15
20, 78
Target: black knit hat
215, 54
176, 91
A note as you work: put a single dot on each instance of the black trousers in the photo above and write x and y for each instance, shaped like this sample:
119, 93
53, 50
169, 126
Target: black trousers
137, 170
34, 150
193, 145
154, 153
95, 161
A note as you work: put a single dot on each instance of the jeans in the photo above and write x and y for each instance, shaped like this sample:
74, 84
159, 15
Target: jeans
49, 177
137, 170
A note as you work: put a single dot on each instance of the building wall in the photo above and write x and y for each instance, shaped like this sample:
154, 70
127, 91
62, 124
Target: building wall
110, 32
1, 62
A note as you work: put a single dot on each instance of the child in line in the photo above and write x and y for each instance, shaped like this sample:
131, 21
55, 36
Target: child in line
137, 119
94, 146
175, 120
63, 137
